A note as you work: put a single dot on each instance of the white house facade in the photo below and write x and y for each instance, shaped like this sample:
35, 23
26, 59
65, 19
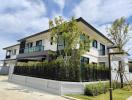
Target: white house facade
37, 46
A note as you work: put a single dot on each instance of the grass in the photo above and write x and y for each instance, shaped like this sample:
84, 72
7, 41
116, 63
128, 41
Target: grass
118, 94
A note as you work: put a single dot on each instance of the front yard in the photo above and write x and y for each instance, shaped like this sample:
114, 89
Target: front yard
118, 94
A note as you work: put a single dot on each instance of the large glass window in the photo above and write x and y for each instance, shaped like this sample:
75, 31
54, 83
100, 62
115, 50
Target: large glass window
85, 40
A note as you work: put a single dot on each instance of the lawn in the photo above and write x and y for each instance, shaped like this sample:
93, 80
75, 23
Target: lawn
118, 94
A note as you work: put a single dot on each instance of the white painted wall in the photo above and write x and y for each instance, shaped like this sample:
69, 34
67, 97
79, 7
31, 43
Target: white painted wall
12, 48
52, 86
45, 37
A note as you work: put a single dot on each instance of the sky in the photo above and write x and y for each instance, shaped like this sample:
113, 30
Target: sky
20, 18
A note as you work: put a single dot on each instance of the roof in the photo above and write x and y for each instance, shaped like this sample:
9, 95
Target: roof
10, 46
79, 19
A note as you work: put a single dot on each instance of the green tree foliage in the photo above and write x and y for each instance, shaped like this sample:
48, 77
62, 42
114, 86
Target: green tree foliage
119, 32
70, 33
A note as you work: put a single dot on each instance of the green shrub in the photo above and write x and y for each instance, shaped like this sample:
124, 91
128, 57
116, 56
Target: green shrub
99, 88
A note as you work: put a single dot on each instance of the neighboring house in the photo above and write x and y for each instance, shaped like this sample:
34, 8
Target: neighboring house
11, 54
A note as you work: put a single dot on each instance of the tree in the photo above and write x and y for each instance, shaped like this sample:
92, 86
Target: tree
75, 42
119, 33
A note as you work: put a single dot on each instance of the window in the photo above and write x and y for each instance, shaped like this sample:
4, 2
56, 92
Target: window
85, 40
84, 60
102, 49
60, 42
8, 52
95, 44
51, 41
29, 45
130, 67
39, 43
14, 52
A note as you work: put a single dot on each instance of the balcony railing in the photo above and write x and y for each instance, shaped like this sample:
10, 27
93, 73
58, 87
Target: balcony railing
33, 49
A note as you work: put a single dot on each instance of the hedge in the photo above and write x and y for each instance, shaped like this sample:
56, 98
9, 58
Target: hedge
56, 70
99, 88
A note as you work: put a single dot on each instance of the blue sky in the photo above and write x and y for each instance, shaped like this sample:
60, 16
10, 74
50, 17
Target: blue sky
20, 18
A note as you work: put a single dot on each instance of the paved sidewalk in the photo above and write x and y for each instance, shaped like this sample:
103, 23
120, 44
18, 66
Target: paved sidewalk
9, 91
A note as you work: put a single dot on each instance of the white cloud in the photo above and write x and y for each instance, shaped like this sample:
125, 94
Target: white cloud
20, 18
102, 11
61, 3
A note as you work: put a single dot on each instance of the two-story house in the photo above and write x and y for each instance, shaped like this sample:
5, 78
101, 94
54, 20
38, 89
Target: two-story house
36, 47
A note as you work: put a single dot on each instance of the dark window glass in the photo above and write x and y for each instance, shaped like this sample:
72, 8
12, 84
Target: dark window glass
39, 43
95, 44
130, 67
29, 45
51, 43
102, 49
84, 60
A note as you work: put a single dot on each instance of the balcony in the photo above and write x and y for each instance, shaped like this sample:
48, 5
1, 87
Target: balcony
33, 49
33, 52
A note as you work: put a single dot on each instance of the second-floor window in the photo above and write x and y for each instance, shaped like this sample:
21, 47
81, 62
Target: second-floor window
14, 52
29, 45
95, 44
39, 43
60, 42
8, 52
102, 49
85, 40
51, 42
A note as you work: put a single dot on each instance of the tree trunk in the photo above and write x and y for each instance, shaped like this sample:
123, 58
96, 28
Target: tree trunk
121, 73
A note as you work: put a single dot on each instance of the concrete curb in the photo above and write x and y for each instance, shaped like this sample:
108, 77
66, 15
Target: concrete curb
70, 98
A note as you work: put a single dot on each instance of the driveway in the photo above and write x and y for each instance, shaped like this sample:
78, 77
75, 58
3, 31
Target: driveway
10, 91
